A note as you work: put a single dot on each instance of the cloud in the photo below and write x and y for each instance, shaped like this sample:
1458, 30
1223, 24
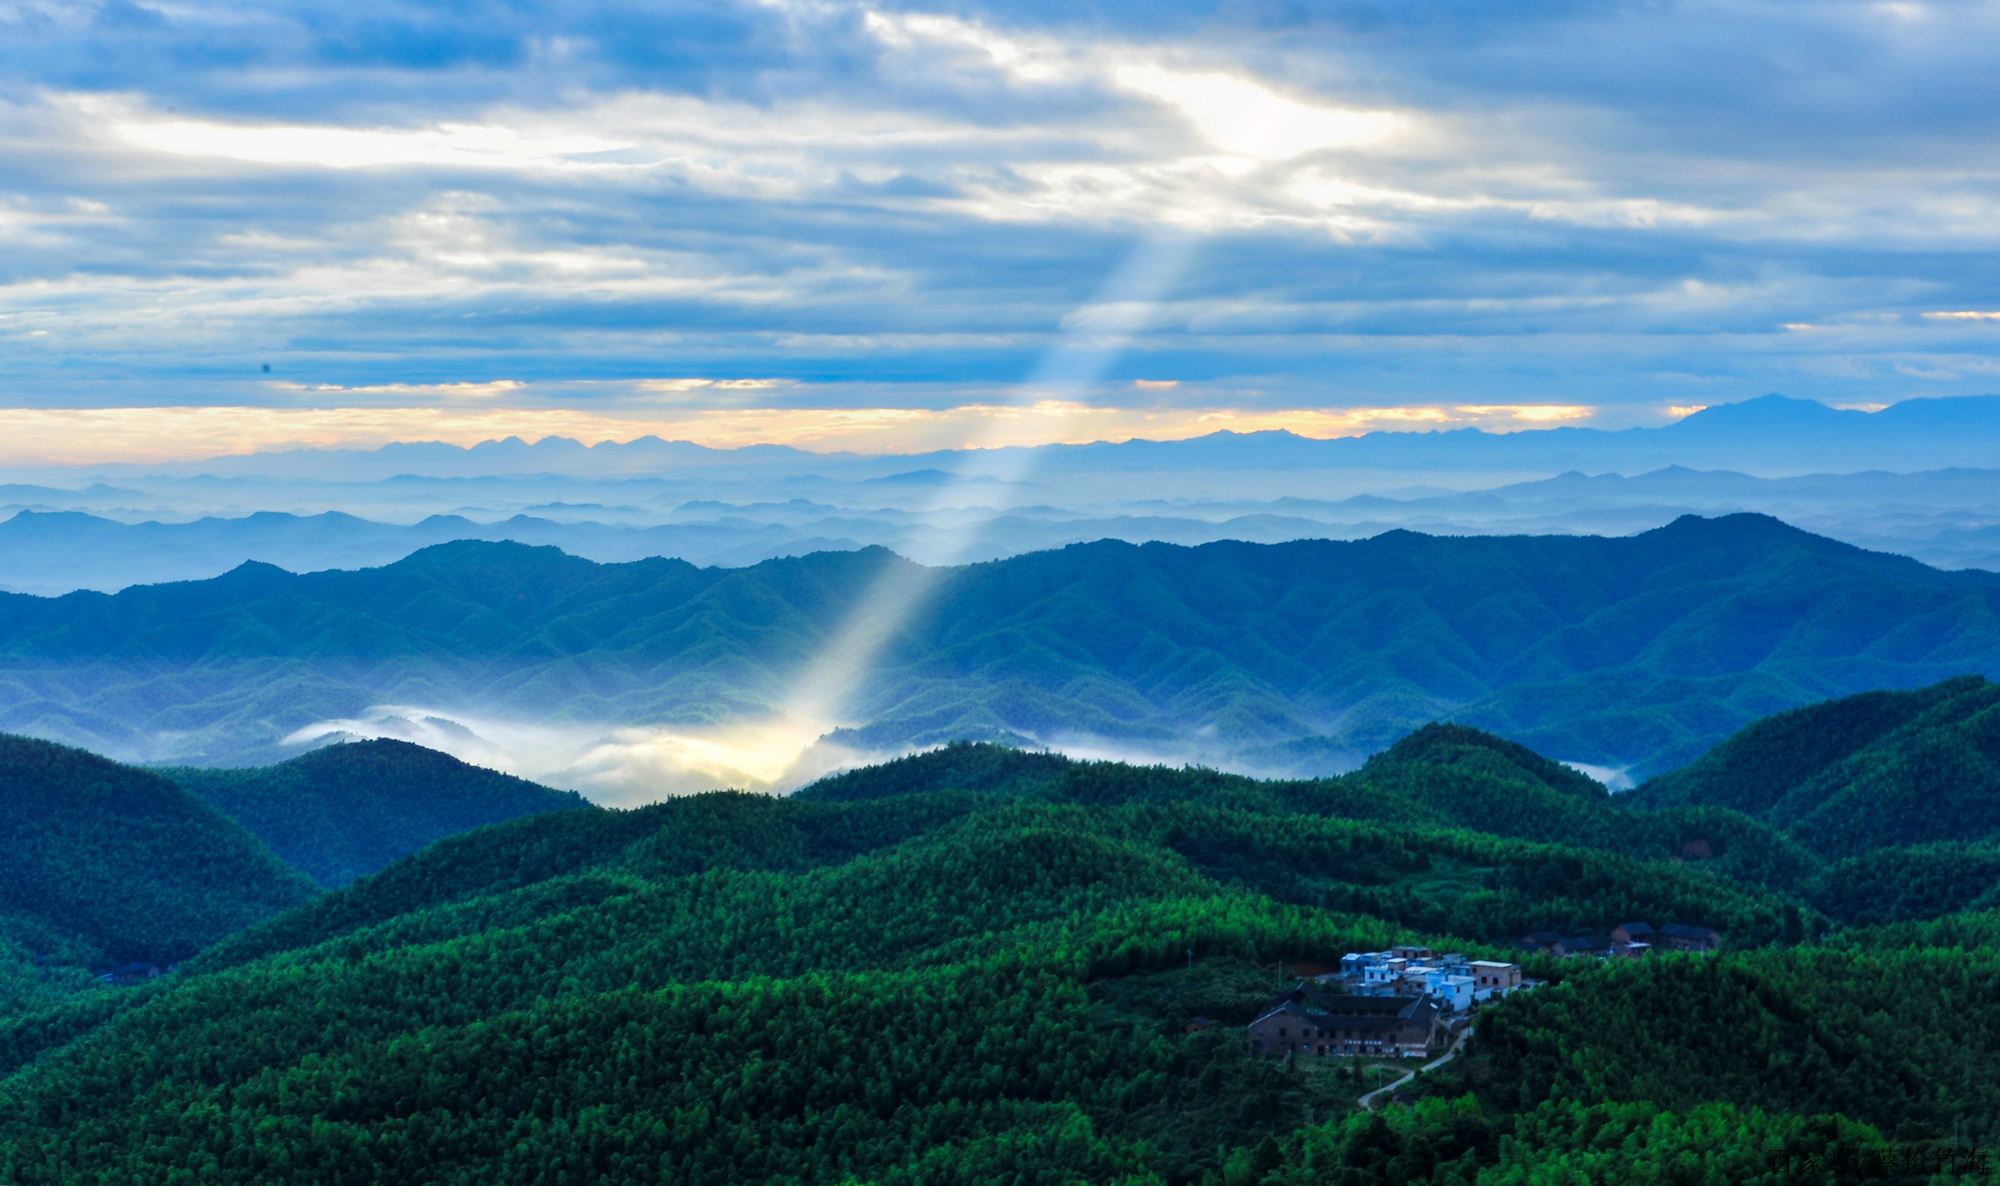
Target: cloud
1243, 118
1418, 205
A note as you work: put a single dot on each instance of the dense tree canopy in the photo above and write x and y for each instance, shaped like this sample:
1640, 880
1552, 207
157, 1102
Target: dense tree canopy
344, 810
977, 965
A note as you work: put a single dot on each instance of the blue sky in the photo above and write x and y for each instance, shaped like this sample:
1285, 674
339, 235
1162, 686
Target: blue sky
903, 226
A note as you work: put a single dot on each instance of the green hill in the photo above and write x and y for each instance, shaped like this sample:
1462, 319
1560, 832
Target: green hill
122, 862
977, 964
1641, 651
345, 810
1875, 771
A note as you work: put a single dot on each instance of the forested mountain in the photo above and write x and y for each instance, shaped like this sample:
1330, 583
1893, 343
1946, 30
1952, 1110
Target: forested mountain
976, 964
105, 863
1291, 657
344, 810
1850, 776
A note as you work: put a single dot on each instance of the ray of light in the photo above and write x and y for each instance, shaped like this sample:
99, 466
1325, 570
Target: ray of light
1093, 342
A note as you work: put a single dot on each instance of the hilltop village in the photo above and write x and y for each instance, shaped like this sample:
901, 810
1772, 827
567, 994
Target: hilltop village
1398, 1003
1407, 1001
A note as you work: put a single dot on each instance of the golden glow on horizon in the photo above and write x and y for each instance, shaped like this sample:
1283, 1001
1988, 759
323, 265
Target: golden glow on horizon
613, 767
84, 436
1965, 315
1534, 413
1682, 411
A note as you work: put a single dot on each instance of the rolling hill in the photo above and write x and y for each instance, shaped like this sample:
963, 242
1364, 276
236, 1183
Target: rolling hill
123, 862
1878, 770
345, 810
1899, 792
1301, 657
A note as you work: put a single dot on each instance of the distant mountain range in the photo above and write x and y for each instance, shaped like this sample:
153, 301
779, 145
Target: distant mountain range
99, 538
1636, 652
1769, 435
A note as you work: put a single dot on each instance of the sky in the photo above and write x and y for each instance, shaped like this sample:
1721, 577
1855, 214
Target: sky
896, 227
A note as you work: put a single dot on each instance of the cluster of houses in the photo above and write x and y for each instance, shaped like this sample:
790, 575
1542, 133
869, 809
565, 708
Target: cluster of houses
1400, 1002
1456, 983
1627, 940
1394, 1003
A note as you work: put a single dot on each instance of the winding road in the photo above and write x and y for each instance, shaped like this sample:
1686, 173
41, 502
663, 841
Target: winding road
1367, 1102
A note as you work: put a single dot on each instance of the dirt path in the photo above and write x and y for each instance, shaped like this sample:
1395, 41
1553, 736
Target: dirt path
1367, 1102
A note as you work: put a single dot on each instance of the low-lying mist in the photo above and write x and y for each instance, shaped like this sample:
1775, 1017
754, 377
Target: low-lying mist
630, 766
615, 766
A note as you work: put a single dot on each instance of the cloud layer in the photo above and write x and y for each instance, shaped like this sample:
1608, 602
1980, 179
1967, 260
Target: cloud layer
1329, 219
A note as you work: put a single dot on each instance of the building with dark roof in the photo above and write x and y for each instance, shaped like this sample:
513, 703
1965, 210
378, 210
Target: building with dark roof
1683, 937
1633, 932
1307, 1021
1597, 945
1552, 942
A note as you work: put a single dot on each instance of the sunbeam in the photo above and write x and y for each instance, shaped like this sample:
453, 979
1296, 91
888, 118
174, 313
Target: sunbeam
1094, 340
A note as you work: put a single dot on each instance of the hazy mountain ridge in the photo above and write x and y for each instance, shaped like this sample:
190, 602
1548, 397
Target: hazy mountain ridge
106, 539
1770, 431
1303, 656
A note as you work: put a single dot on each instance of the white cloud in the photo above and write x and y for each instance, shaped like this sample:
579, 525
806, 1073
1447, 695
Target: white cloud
446, 145
1242, 117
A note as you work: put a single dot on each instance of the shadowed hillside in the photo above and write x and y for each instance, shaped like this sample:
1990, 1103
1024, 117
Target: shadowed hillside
350, 809
1879, 770
1899, 790
123, 861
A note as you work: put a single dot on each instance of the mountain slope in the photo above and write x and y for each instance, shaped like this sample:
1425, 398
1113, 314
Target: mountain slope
1879, 770
1641, 650
345, 810
123, 860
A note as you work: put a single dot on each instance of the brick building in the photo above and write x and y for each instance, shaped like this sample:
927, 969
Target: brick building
1307, 1021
